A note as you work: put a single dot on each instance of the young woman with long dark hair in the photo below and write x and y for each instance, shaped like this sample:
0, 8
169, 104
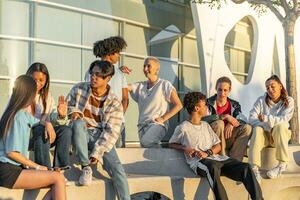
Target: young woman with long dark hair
16, 170
44, 109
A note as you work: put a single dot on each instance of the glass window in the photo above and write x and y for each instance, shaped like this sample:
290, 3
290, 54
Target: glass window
167, 49
13, 57
94, 5
4, 93
58, 25
14, 18
237, 49
169, 71
137, 39
95, 29
190, 80
190, 51
58, 89
87, 58
63, 63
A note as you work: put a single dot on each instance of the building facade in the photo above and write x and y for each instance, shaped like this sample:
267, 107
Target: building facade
195, 44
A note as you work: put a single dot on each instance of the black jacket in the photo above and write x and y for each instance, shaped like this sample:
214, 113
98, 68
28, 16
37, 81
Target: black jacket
236, 110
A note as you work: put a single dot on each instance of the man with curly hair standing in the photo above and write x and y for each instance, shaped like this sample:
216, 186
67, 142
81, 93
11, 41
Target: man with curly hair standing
109, 50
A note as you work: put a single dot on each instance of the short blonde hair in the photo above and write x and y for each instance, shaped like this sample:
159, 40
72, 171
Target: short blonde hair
154, 59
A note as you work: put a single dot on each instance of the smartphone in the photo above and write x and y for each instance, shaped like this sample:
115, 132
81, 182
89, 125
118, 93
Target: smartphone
61, 168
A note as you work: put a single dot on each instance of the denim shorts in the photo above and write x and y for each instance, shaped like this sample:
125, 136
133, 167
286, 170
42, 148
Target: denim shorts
9, 174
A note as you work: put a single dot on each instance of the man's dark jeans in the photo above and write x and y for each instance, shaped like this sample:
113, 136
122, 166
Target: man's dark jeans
234, 170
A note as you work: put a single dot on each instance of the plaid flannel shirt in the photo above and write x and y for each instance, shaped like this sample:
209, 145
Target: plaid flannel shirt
111, 116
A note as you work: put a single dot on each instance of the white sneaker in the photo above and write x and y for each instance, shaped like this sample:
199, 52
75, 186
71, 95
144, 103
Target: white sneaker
86, 176
277, 171
257, 174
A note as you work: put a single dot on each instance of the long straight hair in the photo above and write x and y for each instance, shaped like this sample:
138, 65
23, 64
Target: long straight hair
23, 95
40, 67
283, 92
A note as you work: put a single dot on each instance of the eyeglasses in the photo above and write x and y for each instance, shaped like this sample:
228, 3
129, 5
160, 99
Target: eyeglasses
97, 74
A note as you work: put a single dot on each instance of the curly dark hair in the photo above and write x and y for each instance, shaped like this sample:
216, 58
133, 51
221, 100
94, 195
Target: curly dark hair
191, 99
109, 46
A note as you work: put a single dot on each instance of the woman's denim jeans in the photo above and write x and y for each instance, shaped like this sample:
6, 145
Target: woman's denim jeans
41, 146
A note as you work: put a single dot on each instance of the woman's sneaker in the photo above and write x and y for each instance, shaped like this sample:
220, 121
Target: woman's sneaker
86, 176
277, 171
257, 174
68, 183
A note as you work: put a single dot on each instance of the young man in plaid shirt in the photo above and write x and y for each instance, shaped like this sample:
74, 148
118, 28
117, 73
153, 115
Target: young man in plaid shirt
97, 115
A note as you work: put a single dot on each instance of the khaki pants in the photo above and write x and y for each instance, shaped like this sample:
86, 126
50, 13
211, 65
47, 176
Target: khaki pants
278, 138
236, 145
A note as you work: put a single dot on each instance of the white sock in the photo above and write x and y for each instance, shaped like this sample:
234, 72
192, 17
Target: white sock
282, 163
255, 167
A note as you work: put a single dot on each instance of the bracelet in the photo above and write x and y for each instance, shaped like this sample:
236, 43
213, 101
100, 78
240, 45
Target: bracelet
61, 117
38, 167
209, 152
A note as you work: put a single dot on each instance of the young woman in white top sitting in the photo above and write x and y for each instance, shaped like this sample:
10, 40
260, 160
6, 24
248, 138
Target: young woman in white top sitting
270, 118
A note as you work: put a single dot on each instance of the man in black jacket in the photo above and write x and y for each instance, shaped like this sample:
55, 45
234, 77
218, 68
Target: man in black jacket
226, 119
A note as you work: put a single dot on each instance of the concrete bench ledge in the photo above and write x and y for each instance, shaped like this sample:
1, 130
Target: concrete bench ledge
165, 171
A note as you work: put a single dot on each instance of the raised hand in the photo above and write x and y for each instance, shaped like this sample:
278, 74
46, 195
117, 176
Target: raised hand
62, 106
125, 69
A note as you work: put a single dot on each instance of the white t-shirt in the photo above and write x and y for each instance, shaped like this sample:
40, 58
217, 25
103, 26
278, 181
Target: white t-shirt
199, 137
152, 102
39, 107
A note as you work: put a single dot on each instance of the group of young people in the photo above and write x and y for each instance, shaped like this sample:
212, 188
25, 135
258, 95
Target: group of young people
91, 118
215, 137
